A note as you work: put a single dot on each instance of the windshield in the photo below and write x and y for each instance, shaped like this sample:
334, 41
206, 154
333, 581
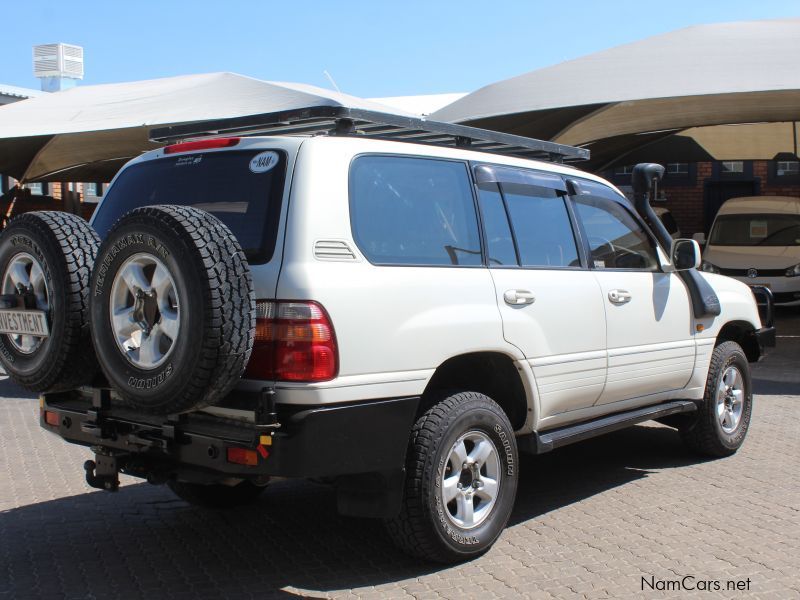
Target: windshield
237, 188
756, 230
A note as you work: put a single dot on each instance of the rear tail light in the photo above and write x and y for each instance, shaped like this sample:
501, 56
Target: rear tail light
294, 341
242, 456
201, 145
51, 418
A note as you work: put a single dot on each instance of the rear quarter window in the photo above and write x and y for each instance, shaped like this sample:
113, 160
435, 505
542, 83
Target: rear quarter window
414, 211
247, 200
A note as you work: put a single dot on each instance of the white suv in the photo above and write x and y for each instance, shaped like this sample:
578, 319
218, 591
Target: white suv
397, 319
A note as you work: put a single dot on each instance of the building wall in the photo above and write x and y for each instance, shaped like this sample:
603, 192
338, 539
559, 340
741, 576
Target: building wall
693, 198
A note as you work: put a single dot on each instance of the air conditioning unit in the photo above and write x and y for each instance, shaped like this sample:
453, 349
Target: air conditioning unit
58, 60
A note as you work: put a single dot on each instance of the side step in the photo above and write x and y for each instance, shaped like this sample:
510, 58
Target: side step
539, 443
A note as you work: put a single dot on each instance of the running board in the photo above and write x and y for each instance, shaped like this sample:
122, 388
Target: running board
539, 443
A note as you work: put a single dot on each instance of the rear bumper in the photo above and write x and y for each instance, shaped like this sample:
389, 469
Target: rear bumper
325, 441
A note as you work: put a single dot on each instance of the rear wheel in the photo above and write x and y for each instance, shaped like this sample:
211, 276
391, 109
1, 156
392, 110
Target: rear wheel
46, 259
173, 309
724, 417
460, 480
217, 495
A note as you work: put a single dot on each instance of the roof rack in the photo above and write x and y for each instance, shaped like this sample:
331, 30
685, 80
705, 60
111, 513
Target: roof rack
340, 120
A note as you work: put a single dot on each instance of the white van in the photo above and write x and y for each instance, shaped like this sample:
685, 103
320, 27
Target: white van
757, 241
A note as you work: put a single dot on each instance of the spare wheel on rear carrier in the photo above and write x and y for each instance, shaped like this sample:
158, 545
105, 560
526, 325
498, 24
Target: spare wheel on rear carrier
46, 260
173, 309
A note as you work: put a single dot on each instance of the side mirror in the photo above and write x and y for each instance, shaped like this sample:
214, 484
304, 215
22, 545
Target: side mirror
685, 254
700, 238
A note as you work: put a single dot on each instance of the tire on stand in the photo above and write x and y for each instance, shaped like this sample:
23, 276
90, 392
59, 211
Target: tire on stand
461, 480
173, 309
46, 260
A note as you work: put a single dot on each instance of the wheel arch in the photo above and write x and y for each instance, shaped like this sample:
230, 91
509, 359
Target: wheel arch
491, 373
743, 333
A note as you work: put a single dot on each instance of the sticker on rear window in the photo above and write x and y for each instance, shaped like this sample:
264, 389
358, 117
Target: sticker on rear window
261, 163
188, 160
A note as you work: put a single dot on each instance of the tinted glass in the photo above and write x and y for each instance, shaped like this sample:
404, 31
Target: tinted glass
616, 240
413, 211
756, 230
499, 243
221, 183
541, 226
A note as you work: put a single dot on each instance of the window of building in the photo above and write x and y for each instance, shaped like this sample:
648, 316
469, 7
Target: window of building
732, 166
414, 211
616, 240
90, 189
787, 168
626, 170
678, 168
37, 189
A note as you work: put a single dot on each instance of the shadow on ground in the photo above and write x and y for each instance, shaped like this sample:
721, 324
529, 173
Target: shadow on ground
142, 542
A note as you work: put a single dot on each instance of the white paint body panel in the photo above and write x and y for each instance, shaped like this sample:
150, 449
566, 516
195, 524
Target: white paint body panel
650, 338
562, 333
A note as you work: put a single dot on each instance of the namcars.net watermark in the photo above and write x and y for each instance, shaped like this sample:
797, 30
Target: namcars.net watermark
689, 583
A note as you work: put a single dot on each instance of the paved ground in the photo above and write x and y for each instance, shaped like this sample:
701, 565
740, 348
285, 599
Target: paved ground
590, 521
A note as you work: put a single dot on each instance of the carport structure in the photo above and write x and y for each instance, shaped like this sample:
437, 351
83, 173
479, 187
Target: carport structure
727, 91
87, 133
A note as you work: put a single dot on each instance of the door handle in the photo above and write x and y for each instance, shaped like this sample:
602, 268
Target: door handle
619, 296
517, 297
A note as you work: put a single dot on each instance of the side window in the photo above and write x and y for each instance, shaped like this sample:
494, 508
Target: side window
616, 240
499, 243
413, 211
541, 226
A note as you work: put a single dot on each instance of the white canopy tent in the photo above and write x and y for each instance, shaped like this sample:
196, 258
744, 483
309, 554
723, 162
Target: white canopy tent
88, 132
636, 98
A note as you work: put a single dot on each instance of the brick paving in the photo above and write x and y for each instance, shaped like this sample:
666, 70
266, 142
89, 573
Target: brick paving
590, 521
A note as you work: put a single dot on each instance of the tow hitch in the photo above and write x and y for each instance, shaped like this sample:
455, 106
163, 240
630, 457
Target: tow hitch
103, 472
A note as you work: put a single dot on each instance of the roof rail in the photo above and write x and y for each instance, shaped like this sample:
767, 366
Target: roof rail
340, 120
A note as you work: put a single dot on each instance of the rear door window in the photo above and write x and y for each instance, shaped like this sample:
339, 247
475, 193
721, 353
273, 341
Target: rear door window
541, 226
414, 211
246, 197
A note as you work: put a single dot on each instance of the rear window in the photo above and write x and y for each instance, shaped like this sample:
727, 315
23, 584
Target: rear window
247, 200
756, 230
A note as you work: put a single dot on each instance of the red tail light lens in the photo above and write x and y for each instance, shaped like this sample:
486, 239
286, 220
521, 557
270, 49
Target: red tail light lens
294, 341
201, 145
242, 456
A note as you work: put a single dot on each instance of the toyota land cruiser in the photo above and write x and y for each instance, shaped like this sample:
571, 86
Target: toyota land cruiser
400, 319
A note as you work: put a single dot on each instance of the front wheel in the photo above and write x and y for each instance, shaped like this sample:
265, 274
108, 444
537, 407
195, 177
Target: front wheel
724, 417
461, 479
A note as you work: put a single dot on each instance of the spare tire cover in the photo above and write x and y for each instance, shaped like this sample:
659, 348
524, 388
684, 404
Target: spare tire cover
173, 309
46, 260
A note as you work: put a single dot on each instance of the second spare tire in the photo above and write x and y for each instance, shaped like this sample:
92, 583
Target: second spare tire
45, 263
172, 309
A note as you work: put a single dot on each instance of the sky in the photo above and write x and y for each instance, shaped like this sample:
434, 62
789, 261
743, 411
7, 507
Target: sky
371, 49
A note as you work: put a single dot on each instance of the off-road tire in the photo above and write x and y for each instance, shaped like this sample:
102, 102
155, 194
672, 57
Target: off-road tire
216, 301
422, 529
216, 495
704, 434
65, 247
